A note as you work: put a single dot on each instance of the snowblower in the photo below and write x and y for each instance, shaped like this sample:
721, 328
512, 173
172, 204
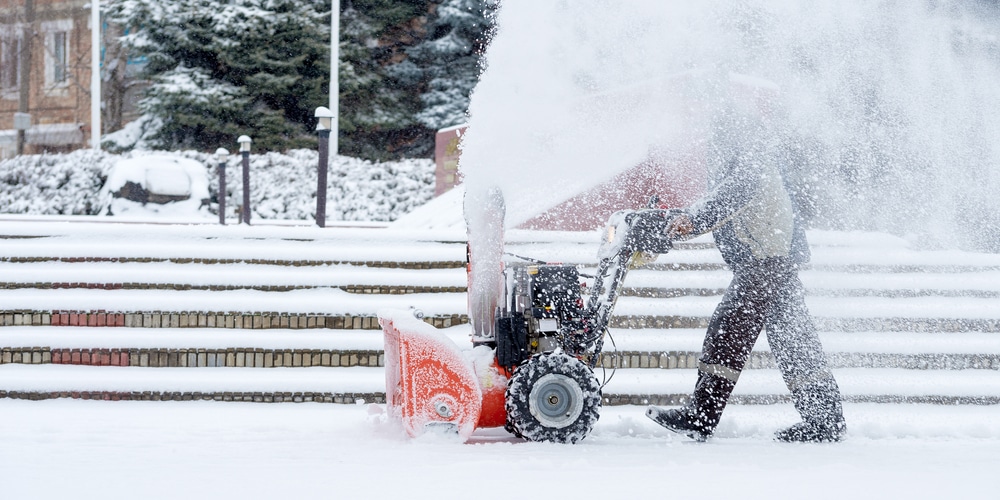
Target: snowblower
537, 338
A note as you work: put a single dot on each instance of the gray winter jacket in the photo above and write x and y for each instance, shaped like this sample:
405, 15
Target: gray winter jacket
750, 213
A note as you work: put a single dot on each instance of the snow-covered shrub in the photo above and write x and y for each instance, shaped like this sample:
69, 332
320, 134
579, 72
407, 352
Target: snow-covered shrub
54, 184
282, 185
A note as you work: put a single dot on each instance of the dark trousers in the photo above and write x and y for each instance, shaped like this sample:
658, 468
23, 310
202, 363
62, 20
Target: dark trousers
768, 294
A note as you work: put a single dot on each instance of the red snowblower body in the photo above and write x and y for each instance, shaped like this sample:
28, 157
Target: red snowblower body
535, 343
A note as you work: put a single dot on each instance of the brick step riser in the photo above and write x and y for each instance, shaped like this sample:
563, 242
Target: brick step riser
267, 358
240, 397
379, 398
844, 268
648, 293
771, 399
673, 293
157, 319
356, 289
828, 324
193, 358
852, 269
264, 262
347, 322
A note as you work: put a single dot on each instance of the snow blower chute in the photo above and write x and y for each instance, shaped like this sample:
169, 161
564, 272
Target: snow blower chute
536, 338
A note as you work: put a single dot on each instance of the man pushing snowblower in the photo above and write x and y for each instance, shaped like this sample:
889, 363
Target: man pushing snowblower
537, 336
751, 216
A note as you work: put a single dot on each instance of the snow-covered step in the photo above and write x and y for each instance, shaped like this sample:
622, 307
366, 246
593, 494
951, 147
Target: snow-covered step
985, 284
223, 276
624, 386
663, 349
881, 385
276, 385
201, 319
48, 378
832, 251
690, 339
681, 348
308, 301
201, 338
951, 314
74, 242
830, 313
627, 340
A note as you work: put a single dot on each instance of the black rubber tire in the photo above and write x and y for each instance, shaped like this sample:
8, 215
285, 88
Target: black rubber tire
553, 397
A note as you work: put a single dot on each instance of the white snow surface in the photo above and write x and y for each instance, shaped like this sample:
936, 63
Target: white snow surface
100, 450
242, 450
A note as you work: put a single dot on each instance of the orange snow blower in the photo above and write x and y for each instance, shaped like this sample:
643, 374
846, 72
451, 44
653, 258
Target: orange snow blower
535, 341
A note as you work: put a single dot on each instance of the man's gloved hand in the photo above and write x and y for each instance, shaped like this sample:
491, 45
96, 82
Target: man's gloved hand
679, 226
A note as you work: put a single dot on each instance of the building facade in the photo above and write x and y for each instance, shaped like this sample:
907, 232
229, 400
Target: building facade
45, 72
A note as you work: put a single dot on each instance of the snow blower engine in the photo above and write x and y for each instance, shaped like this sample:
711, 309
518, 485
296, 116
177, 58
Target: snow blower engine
536, 341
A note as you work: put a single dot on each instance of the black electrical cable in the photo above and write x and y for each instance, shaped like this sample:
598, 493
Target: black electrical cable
614, 365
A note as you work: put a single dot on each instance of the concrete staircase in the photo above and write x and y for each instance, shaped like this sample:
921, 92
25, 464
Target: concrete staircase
288, 314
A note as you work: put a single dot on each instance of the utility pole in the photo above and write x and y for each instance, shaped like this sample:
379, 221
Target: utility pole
95, 74
334, 74
24, 101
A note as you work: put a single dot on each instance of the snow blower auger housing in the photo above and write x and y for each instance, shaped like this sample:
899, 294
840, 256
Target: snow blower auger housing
546, 337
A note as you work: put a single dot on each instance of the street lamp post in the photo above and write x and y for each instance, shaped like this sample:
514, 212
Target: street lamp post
95, 74
334, 73
245, 152
221, 155
323, 127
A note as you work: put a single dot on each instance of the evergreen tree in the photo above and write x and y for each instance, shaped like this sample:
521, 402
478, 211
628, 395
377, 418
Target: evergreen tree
376, 116
218, 69
447, 65
222, 68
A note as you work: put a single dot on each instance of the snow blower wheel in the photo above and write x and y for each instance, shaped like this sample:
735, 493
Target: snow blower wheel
553, 397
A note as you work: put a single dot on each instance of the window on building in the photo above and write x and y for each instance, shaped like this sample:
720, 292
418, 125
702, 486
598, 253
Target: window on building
10, 62
56, 34
60, 68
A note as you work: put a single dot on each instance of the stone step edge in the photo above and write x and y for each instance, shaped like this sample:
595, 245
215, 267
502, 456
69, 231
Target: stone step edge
193, 358
267, 320
379, 398
356, 289
891, 324
674, 292
234, 320
342, 358
441, 264
447, 264
642, 292
771, 399
227, 396
840, 268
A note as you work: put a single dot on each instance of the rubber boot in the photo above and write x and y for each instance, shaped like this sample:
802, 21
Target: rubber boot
701, 415
822, 415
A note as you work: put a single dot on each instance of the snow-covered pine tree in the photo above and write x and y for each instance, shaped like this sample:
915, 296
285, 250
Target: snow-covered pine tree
447, 65
376, 114
222, 68
218, 69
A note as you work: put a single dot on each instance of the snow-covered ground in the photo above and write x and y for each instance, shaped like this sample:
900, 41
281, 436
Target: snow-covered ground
91, 449
88, 449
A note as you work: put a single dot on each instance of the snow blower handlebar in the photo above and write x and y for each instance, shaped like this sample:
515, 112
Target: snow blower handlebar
629, 234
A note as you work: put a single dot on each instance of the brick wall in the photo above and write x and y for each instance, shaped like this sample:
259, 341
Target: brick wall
51, 102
